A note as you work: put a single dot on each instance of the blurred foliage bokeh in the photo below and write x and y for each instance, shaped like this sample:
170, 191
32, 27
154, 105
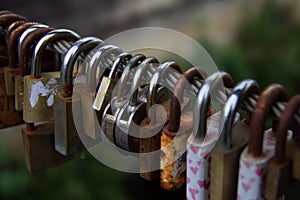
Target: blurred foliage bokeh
266, 49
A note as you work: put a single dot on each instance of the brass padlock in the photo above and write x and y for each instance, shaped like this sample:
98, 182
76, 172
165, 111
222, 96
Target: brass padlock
27, 36
101, 61
12, 47
279, 171
40, 87
116, 125
205, 136
174, 135
39, 147
254, 158
231, 142
67, 141
107, 84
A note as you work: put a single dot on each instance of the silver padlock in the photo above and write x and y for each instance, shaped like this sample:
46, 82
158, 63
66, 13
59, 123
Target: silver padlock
40, 87
232, 140
67, 141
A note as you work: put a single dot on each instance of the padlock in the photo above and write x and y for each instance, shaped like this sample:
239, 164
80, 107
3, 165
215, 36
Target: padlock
174, 135
107, 84
39, 87
254, 158
8, 18
293, 106
204, 137
39, 148
90, 121
115, 124
12, 48
232, 140
154, 120
279, 171
67, 141
29, 34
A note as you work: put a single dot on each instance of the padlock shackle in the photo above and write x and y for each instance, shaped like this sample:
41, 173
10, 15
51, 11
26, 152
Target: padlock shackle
12, 44
27, 50
272, 94
9, 18
51, 37
13, 27
177, 98
216, 82
285, 122
94, 64
4, 12
118, 64
70, 58
134, 62
240, 93
26, 33
140, 72
154, 83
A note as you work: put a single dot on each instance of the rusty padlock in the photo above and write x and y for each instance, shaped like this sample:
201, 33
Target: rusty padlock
29, 34
296, 148
174, 135
6, 19
231, 142
40, 87
154, 118
100, 61
279, 172
254, 158
12, 47
67, 141
204, 137
13, 27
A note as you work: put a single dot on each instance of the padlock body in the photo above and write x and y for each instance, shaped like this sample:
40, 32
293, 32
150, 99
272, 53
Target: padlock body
89, 118
19, 92
67, 140
9, 74
8, 114
39, 96
296, 164
278, 180
39, 148
173, 159
225, 164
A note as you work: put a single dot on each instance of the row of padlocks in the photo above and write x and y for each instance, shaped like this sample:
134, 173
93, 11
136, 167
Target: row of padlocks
216, 152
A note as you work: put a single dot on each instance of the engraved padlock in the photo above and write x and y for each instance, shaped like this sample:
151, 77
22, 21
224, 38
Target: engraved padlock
117, 133
205, 136
255, 157
34, 32
101, 61
41, 87
107, 84
67, 141
231, 142
174, 135
279, 171
12, 47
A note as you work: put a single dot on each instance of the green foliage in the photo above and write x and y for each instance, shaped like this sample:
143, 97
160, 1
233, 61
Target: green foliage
266, 49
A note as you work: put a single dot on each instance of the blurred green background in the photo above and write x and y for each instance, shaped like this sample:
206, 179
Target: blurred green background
258, 40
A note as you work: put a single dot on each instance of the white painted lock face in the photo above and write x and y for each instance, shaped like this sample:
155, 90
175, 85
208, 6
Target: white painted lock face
137, 40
